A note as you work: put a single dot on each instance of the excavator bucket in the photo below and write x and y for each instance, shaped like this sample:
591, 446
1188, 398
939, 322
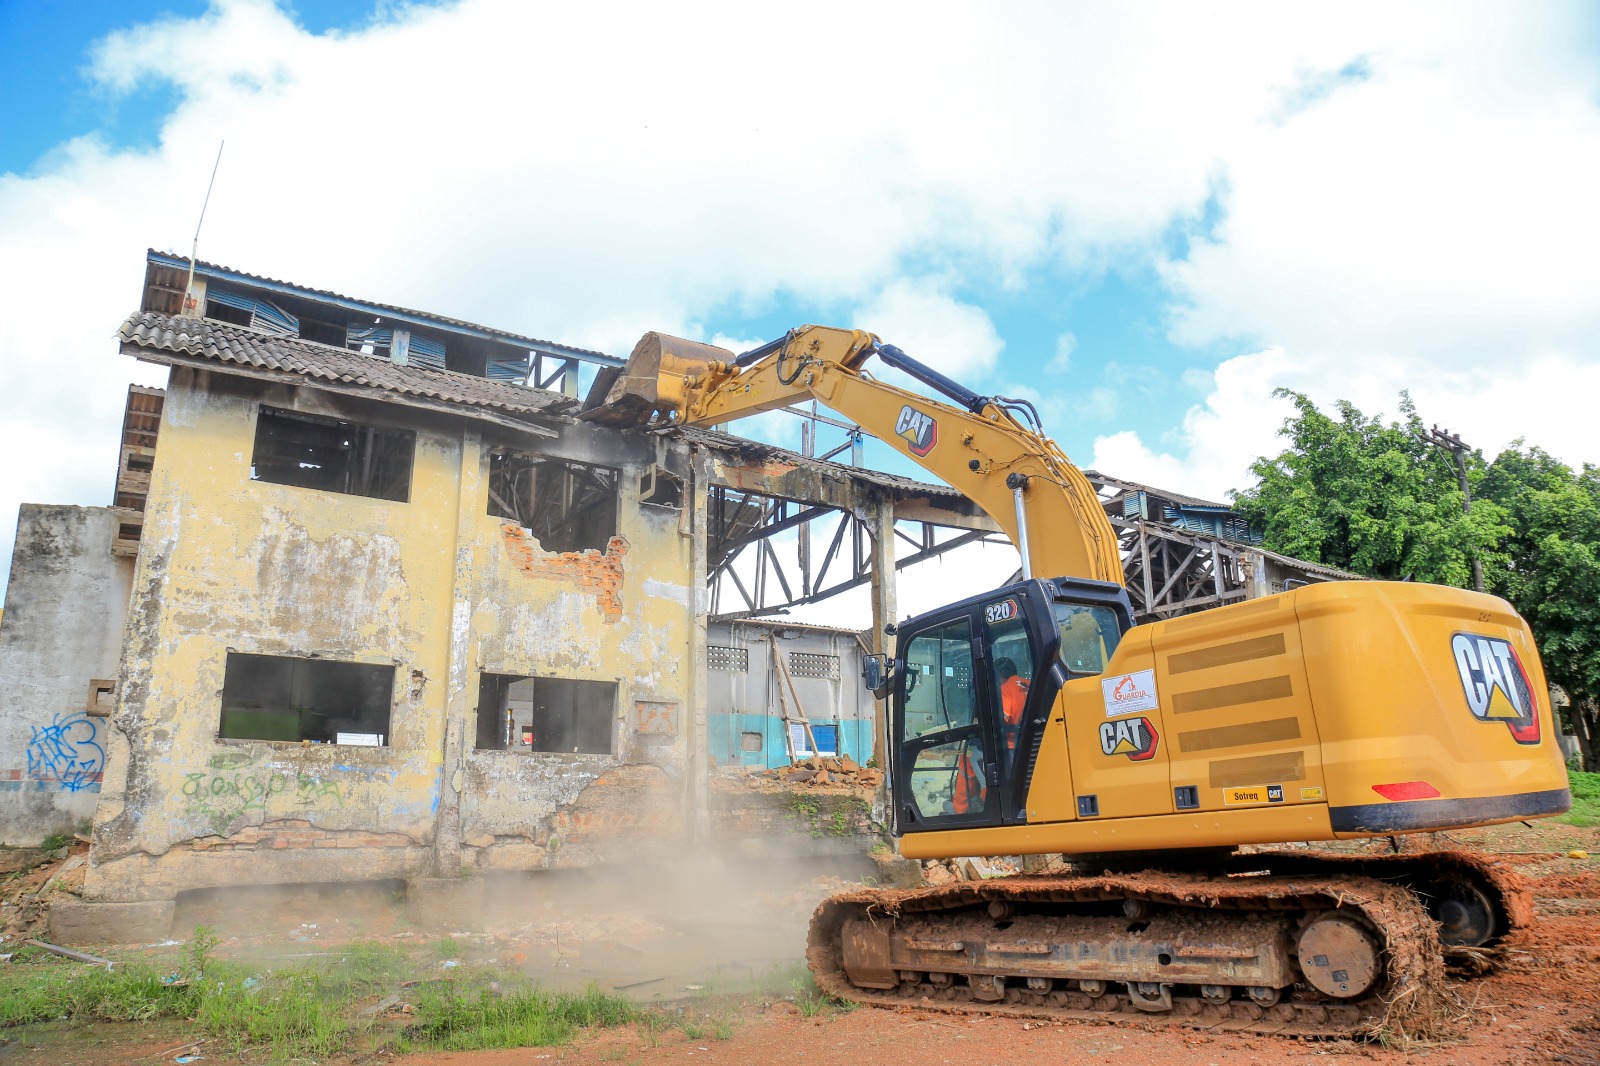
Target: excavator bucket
655, 380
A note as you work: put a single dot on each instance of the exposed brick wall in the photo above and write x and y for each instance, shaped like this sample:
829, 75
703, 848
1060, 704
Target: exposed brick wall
785, 814
297, 833
597, 572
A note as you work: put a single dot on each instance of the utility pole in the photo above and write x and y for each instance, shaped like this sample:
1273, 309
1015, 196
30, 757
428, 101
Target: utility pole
1452, 443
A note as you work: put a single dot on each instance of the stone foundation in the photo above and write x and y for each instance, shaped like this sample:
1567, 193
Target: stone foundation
85, 922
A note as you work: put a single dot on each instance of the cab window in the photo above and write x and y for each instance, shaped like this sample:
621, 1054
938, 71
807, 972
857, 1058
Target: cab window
1089, 635
938, 683
939, 719
1011, 674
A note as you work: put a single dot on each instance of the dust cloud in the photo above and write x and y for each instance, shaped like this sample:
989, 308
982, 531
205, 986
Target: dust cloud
708, 918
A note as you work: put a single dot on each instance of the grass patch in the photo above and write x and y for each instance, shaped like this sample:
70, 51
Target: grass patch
449, 1018
1585, 799
812, 1001
311, 1012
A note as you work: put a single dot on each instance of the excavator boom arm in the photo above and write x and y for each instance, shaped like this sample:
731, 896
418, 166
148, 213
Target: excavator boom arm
978, 448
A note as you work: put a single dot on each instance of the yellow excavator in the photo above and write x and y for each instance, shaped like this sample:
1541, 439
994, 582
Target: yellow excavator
1038, 719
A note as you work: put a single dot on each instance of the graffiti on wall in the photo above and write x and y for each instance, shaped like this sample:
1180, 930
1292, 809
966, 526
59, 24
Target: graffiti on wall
66, 755
233, 785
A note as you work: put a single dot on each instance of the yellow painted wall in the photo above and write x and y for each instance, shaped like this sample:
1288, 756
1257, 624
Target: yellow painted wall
437, 588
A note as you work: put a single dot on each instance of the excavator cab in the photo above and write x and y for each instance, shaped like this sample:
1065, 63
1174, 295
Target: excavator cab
971, 691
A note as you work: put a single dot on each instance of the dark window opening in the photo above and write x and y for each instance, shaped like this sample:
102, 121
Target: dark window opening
567, 506
505, 711
141, 462
322, 333
661, 487
273, 697
549, 714
333, 455
220, 312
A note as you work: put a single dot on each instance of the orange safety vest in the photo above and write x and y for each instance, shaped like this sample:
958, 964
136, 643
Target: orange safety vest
967, 786
1013, 697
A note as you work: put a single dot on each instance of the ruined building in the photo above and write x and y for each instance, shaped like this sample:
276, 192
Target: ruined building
375, 602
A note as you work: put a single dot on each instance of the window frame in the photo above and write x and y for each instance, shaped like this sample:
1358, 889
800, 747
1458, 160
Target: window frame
310, 664
366, 431
572, 726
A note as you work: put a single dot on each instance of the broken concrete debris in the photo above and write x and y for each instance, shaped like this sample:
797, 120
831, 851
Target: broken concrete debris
937, 872
822, 770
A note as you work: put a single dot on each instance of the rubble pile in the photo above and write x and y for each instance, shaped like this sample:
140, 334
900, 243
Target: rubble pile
966, 868
29, 878
827, 770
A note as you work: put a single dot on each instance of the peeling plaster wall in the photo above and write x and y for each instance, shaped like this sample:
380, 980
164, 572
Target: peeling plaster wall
61, 629
435, 587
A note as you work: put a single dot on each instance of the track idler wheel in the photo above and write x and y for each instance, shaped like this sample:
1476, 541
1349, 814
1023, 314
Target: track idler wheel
1466, 917
1339, 955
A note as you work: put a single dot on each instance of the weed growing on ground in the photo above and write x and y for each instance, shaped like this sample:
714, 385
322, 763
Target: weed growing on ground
449, 1018
197, 952
651, 1025
812, 1001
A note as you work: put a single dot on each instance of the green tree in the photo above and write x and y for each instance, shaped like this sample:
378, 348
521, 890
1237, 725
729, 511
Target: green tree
1551, 574
1354, 493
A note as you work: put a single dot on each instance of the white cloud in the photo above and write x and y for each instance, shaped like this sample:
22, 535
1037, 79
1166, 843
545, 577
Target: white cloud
543, 169
1061, 362
1220, 437
1548, 401
932, 327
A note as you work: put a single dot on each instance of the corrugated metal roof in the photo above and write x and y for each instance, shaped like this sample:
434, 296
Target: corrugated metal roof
148, 332
1165, 494
168, 259
901, 486
784, 623
1310, 568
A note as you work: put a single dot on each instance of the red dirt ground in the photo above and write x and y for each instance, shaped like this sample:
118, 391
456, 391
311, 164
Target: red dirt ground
1541, 1005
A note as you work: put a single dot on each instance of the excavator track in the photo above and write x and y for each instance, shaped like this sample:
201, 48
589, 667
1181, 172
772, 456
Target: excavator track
1332, 948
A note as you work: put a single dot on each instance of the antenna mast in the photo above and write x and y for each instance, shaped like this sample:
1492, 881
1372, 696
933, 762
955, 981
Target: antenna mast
194, 249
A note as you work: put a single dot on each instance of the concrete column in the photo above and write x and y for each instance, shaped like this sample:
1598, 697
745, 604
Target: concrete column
884, 611
461, 690
697, 720
1253, 569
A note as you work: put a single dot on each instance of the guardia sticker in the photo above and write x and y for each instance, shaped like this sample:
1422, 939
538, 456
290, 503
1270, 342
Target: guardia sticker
1129, 693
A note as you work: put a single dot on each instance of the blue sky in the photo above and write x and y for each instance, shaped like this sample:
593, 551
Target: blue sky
45, 52
1143, 218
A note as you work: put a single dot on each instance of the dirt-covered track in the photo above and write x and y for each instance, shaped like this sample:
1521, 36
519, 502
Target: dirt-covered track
1412, 966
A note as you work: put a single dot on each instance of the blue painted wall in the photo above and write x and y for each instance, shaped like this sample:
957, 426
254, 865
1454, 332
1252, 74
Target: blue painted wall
724, 732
